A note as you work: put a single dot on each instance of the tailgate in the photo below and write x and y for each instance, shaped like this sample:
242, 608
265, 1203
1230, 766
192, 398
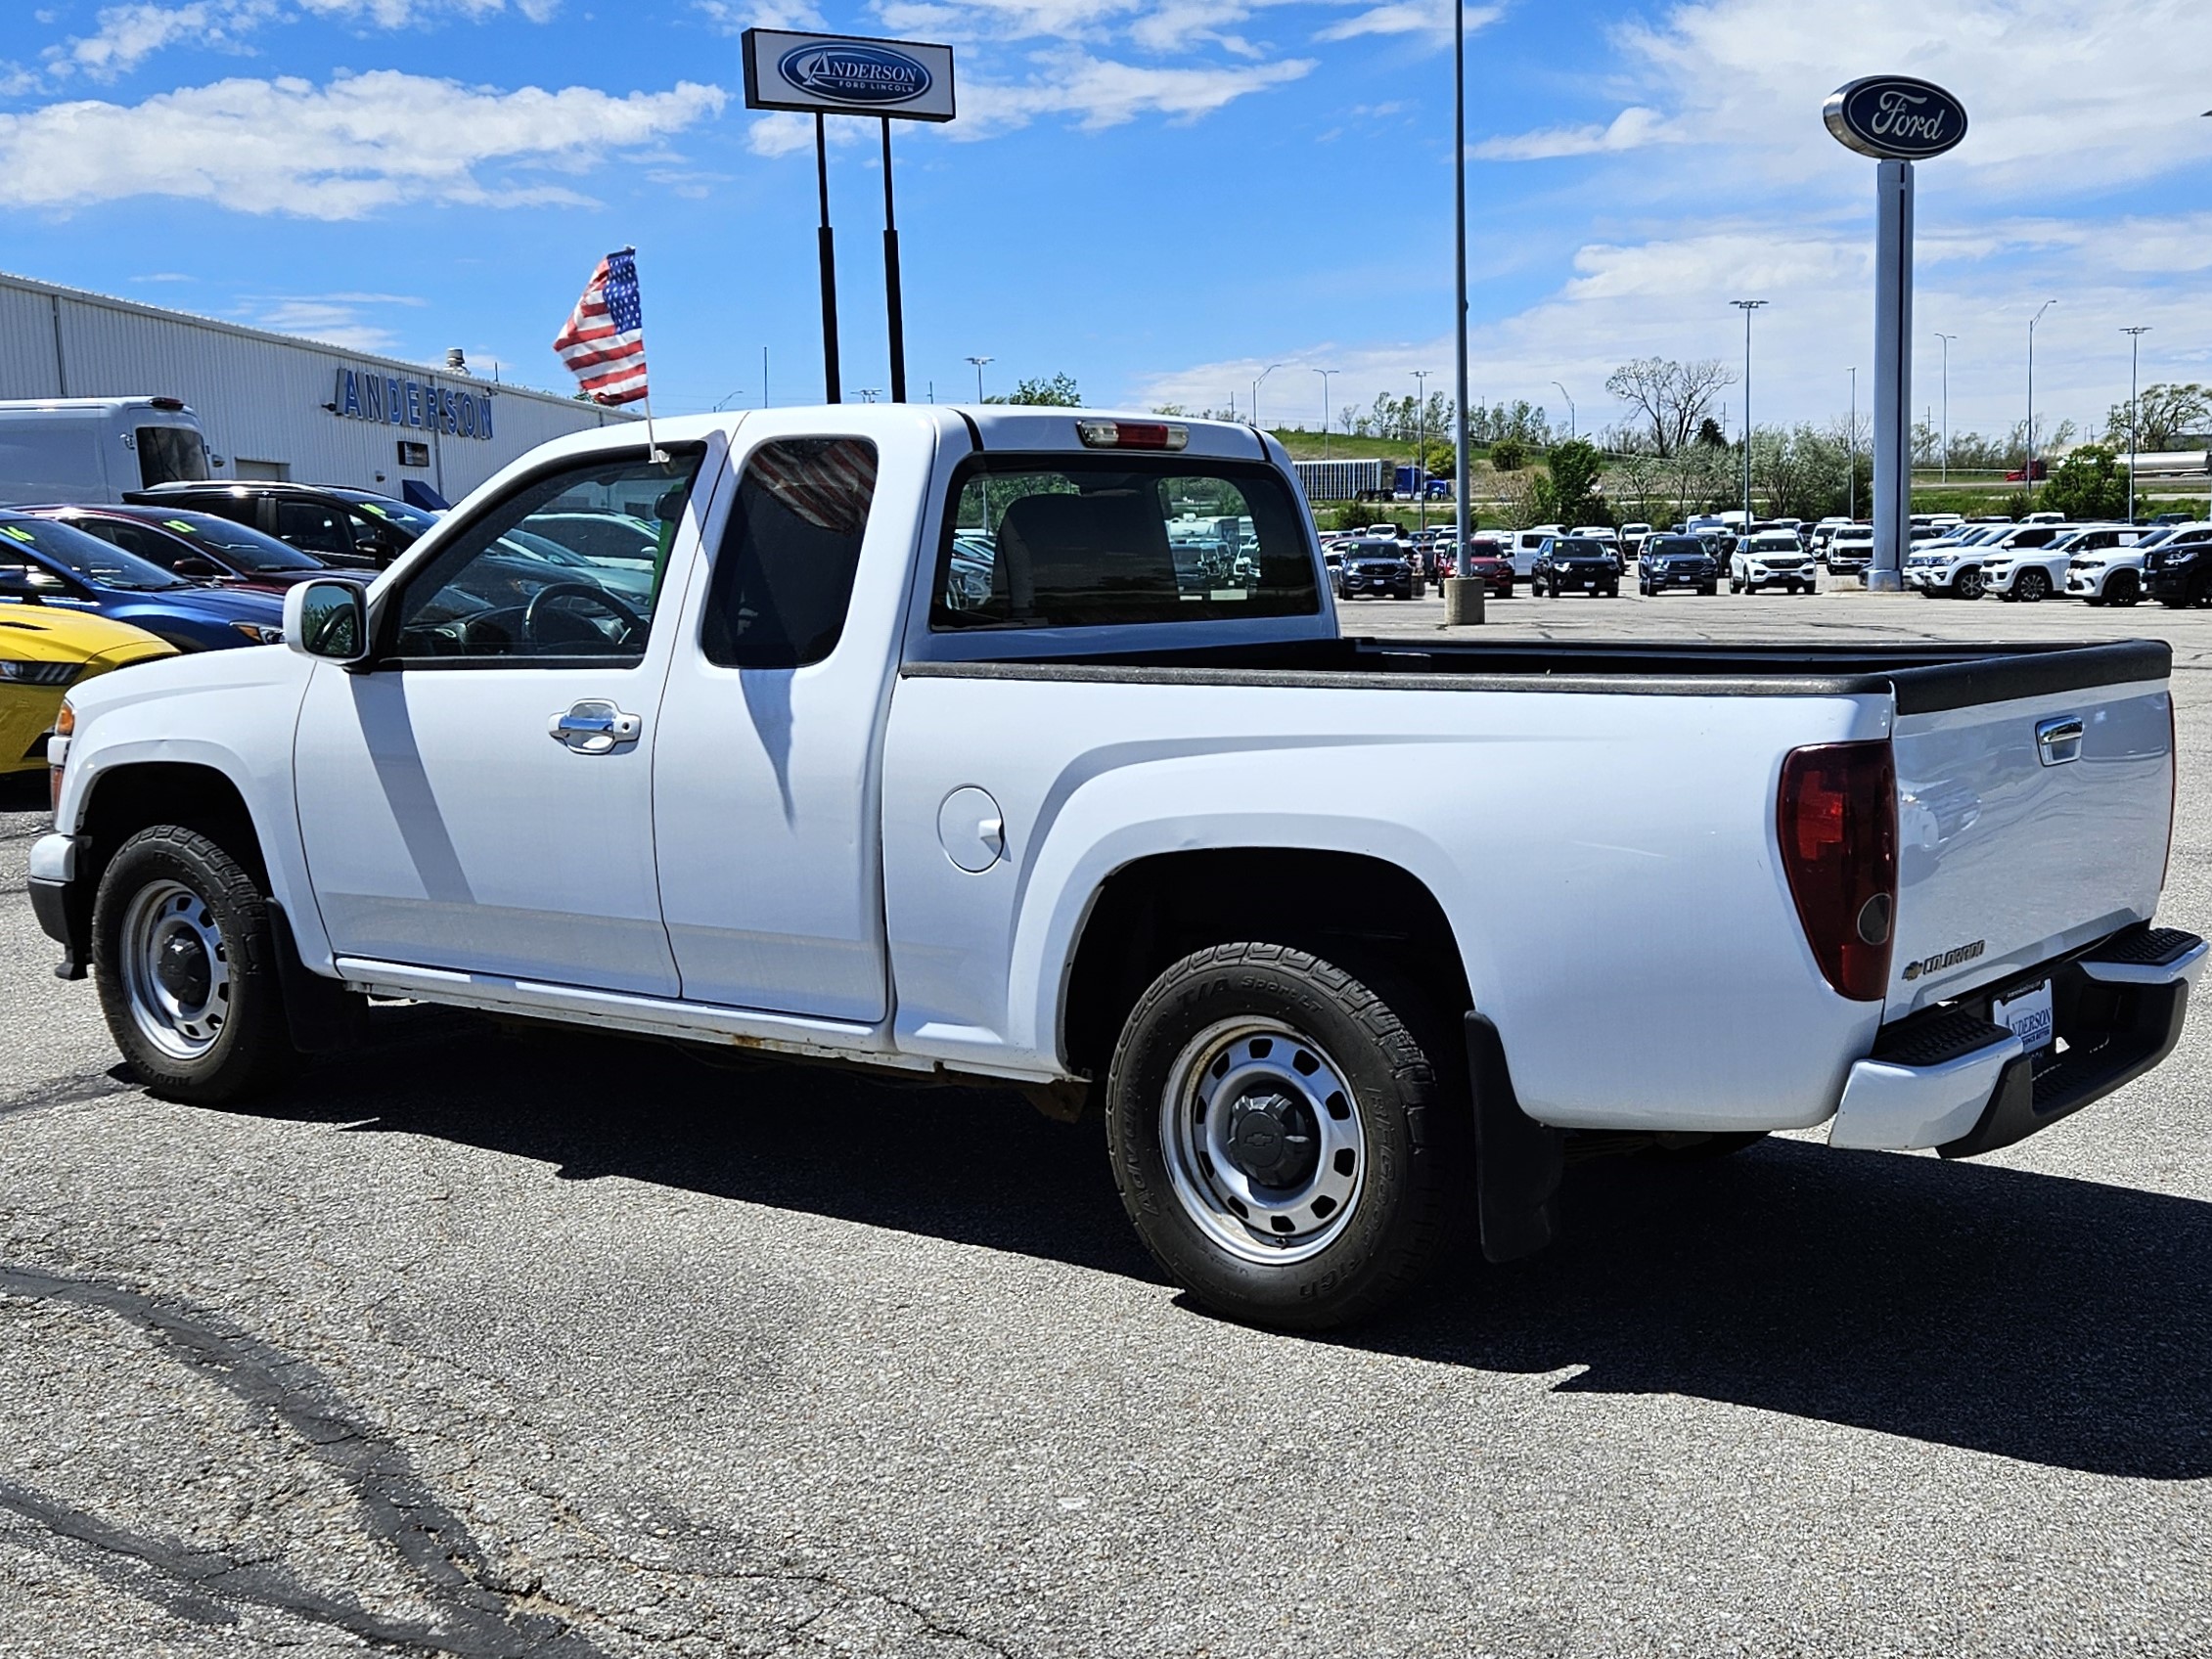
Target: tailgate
2029, 824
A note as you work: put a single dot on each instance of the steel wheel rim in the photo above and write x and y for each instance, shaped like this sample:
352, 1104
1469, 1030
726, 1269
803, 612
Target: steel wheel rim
175, 969
1240, 1063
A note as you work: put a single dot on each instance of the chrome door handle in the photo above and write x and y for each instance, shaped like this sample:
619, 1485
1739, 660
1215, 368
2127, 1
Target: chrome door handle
2058, 741
595, 726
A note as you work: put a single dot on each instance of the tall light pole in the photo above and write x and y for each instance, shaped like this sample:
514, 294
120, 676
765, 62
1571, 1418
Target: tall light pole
1324, 374
1462, 517
1263, 375
980, 362
1421, 448
1851, 502
2028, 471
1947, 339
1748, 306
1572, 431
2135, 411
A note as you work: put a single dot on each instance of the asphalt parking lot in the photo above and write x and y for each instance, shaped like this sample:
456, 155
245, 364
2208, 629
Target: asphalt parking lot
490, 1344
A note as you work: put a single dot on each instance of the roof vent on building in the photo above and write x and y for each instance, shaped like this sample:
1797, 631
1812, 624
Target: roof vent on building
457, 360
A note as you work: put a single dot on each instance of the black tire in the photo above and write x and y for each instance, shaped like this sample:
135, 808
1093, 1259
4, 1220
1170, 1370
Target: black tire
1408, 1115
250, 1048
1710, 589
2123, 588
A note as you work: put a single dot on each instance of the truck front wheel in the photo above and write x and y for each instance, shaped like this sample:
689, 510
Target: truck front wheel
185, 961
1284, 1142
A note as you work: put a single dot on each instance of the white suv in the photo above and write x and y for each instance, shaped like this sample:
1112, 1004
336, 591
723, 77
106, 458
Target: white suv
1772, 559
2025, 565
2112, 574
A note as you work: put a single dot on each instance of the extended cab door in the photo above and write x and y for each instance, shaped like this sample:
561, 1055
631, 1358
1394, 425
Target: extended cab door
766, 784
478, 796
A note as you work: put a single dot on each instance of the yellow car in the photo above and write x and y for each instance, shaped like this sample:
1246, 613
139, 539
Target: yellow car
44, 651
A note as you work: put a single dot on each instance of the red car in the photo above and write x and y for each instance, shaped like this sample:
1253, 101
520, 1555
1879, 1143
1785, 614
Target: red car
2018, 475
1487, 558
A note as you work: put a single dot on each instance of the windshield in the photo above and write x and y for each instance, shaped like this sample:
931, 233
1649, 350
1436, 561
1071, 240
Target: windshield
1096, 540
1689, 547
412, 519
248, 549
169, 455
88, 558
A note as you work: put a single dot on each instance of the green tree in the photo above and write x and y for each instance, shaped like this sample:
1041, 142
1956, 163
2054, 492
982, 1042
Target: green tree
2166, 415
2090, 483
1058, 392
1568, 492
1509, 455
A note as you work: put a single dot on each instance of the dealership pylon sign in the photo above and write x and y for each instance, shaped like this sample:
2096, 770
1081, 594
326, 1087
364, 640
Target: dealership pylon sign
842, 74
1897, 120
846, 75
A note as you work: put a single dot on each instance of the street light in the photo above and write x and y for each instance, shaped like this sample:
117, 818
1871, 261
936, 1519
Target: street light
2029, 470
980, 362
1746, 306
2135, 410
1324, 374
1421, 448
727, 401
1569, 396
1263, 375
868, 394
1947, 339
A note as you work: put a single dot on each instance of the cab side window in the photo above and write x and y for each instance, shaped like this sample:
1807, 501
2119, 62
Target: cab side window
784, 574
501, 590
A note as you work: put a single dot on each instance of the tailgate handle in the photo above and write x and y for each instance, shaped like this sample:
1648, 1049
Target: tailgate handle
2057, 742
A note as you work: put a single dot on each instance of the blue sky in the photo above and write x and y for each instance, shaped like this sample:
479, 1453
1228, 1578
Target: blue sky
1158, 197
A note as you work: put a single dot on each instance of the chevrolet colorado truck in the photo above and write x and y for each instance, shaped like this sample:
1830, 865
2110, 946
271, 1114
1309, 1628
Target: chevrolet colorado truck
1311, 920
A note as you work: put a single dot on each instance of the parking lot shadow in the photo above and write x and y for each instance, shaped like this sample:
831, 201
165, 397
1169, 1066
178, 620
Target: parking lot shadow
2055, 1321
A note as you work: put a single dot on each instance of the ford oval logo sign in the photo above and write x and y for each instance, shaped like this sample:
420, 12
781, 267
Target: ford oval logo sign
1895, 118
855, 74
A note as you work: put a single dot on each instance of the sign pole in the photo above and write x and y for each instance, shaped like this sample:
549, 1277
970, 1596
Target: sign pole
825, 239
1893, 374
892, 301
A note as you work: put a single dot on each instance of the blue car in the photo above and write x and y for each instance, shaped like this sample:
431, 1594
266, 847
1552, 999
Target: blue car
44, 562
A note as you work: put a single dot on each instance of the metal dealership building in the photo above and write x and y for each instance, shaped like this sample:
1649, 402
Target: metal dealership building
274, 406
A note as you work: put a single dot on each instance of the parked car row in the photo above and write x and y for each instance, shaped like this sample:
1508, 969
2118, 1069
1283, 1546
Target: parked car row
2101, 563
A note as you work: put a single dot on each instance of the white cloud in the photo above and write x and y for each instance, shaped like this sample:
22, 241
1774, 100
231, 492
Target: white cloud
126, 35
735, 17
1103, 93
1432, 17
1632, 130
336, 152
336, 319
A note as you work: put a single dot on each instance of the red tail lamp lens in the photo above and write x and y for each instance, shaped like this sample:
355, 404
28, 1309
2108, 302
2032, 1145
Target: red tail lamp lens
1837, 823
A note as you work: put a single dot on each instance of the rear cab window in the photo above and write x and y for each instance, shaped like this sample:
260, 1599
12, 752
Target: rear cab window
1075, 541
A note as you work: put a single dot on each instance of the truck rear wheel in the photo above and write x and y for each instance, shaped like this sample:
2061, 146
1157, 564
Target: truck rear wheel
185, 967
1284, 1141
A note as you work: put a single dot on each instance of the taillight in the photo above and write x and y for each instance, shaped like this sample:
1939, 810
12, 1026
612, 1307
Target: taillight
1837, 823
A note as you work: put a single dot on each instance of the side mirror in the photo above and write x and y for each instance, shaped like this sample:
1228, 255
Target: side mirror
328, 621
198, 569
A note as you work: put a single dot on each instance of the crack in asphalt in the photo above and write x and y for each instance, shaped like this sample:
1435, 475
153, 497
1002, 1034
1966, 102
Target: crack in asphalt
475, 1618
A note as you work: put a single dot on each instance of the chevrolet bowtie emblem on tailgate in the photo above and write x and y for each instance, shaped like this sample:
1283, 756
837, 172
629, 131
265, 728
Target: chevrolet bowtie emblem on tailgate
1945, 958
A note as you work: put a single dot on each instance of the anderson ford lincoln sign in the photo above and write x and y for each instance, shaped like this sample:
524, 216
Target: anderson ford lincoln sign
390, 400
841, 76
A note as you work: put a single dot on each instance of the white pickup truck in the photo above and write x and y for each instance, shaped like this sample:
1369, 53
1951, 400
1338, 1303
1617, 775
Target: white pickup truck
919, 746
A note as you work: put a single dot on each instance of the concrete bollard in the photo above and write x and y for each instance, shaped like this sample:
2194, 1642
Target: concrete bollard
1463, 602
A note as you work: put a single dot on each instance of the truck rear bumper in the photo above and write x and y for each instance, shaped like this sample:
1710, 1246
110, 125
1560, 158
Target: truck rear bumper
1951, 1080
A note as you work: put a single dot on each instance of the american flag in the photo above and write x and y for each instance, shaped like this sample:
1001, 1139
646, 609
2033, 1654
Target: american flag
603, 344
